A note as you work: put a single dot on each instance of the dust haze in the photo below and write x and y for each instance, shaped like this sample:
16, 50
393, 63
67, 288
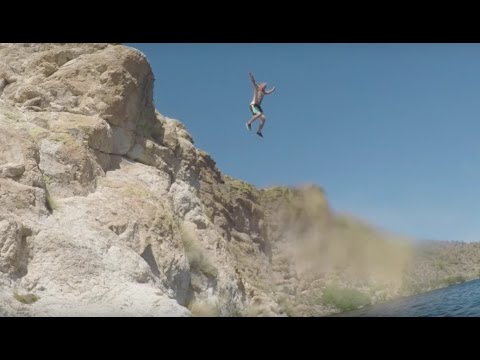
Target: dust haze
322, 243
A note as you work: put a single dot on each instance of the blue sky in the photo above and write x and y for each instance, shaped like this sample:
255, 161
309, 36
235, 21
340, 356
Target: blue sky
390, 131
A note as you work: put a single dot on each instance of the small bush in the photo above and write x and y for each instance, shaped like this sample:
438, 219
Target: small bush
26, 298
51, 203
199, 262
47, 179
196, 256
236, 313
455, 279
242, 186
343, 298
204, 309
286, 306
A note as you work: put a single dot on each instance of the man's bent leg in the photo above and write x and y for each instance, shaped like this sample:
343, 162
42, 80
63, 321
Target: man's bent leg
262, 122
254, 117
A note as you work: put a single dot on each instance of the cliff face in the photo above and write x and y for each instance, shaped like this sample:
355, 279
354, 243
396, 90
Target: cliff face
84, 184
108, 208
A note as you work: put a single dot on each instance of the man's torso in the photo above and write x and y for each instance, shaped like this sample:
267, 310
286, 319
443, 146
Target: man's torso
257, 96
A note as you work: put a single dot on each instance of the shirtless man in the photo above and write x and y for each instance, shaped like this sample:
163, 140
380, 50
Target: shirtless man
259, 90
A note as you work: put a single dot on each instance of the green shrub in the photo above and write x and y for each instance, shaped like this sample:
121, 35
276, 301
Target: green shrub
344, 298
455, 279
51, 203
26, 298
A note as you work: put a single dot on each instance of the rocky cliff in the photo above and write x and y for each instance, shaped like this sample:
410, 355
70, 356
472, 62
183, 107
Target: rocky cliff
107, 208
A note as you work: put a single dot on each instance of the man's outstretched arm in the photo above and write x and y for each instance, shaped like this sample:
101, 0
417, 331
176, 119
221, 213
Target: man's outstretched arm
252, 79
270, 91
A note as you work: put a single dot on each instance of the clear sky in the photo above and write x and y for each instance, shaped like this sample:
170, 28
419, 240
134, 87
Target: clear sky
390, 131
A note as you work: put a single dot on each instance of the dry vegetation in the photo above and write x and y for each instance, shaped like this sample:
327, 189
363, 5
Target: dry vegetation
441, 263
324, 262
197, 257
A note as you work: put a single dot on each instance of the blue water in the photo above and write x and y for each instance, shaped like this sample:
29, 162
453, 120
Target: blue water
456, 300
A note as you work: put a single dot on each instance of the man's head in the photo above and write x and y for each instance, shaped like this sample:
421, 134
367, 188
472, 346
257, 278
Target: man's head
262, 86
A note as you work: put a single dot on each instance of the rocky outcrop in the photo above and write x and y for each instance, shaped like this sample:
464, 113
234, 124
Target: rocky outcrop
73, 120
108, 208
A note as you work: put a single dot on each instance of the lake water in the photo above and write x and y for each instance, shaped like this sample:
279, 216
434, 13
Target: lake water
456, 300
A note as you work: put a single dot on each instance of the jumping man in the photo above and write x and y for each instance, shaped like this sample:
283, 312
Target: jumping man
259, 90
